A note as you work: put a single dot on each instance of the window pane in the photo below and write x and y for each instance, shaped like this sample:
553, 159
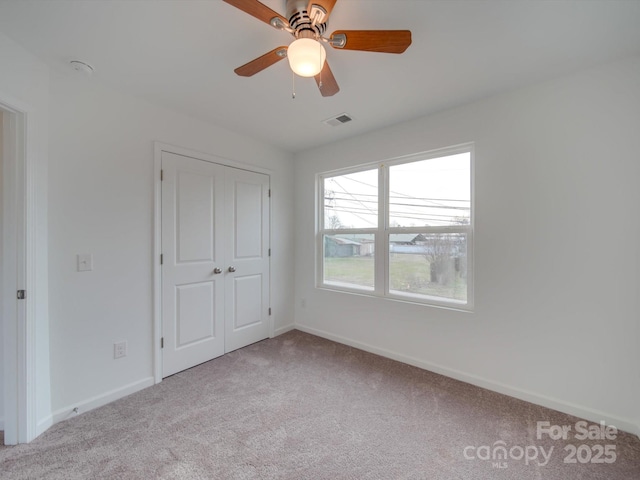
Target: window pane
432, 192
428, 265
348, 260
351, 201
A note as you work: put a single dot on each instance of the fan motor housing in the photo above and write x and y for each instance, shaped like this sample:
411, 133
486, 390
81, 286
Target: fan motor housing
300, 21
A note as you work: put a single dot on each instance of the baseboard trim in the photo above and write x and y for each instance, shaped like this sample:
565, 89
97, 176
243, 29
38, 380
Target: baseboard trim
100, 400
41, 427
627, 425
44, 424
285, 329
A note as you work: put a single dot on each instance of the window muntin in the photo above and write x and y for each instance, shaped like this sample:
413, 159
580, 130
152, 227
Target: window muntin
400, 230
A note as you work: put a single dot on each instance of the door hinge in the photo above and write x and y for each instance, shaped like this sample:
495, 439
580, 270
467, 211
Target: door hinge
22, 294
161, 259
162, 342
161, 175
269, 193
269, 252
269, 310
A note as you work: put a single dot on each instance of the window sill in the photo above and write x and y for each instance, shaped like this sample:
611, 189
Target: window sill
453, 305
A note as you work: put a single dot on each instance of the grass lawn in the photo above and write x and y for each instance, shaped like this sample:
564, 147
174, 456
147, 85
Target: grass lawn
408, 273
355, 270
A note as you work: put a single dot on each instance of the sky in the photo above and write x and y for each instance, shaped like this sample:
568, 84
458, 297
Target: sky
433, 192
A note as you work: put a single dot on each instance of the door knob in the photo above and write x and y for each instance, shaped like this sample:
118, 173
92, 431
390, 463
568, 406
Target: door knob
217, 270
232, 269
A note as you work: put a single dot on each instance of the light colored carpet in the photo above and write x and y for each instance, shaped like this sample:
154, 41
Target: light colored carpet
301, 407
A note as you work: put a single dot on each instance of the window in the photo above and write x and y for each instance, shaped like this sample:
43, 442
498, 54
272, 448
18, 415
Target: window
402, 229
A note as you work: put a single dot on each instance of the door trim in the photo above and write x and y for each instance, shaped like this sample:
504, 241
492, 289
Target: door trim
160, 147
18, 272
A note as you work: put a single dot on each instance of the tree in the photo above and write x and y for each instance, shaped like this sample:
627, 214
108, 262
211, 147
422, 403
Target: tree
333, 222
440, 252
444, 252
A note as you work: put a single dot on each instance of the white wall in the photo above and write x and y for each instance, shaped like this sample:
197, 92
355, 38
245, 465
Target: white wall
557, 269
101, 202
1, 287
24, 85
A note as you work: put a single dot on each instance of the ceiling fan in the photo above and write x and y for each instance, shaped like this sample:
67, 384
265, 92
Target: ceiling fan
307, 22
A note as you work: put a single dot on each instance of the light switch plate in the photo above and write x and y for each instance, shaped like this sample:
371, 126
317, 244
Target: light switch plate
85, 262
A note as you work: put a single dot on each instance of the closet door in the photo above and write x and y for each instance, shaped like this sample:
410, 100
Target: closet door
215, 270
193, 262
247, 255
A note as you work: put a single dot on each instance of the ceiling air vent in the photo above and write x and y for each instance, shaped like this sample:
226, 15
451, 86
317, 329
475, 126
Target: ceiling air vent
338, 120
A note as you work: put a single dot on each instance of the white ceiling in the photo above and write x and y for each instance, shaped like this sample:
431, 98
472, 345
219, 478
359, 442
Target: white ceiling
181, 54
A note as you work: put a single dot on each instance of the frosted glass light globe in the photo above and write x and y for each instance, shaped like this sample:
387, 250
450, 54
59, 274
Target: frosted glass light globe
306, 57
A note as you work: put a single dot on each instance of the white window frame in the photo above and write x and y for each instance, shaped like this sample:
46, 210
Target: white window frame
382, 232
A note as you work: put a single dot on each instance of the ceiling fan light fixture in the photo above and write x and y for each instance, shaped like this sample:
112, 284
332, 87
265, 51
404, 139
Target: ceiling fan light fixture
306, 57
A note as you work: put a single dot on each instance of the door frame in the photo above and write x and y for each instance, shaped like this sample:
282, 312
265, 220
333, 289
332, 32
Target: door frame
158, 148
18, 272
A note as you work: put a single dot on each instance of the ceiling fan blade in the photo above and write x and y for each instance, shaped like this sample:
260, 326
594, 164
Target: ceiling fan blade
385, 41
258, 10
260, 63
327, 82
326, 5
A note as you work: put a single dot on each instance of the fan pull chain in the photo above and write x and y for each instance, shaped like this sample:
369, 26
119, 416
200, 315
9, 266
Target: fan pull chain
320, 58
293, 85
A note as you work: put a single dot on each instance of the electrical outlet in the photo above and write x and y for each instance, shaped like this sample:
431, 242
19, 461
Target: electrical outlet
119, 349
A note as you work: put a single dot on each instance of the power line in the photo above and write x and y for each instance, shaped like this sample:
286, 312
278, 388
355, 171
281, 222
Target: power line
436, 207
412, 198
345, 209
375, 212
359, 216
426, 218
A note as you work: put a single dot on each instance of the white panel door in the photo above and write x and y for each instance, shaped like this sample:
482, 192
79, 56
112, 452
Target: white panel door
247, 254
215, 271
193, 251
